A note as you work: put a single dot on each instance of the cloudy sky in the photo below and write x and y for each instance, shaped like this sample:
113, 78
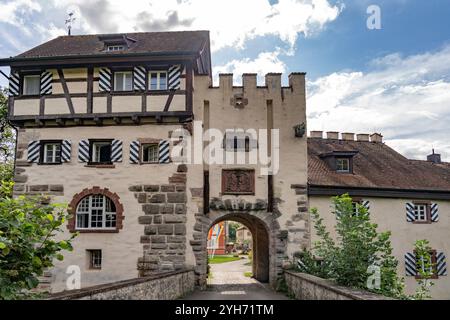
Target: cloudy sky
394, 80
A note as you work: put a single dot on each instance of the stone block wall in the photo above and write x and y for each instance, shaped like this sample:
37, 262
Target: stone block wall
164, 220
308, 287
162, 286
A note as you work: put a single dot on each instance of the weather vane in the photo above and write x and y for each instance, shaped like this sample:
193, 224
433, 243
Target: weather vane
69, 22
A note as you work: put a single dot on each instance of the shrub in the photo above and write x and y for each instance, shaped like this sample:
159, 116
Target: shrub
359, 250
27, 244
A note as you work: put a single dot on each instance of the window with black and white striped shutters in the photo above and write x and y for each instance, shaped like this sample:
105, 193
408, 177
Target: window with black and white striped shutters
139, 78
411, 264
412, 211
33, 151
46, 83
14, 84
116, 151
104, 82
134, 151
174, 74
164, 149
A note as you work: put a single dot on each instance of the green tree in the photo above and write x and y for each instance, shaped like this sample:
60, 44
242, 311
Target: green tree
27, 242
425, 269
358, 250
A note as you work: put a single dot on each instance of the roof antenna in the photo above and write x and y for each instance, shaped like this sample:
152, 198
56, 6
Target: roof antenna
69, 22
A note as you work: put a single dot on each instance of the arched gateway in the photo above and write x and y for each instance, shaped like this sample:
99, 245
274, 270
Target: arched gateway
269, 245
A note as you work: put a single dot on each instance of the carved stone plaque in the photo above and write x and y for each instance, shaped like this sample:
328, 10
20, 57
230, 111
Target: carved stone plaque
238, 181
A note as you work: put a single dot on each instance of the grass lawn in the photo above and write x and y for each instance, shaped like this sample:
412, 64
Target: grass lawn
222, 259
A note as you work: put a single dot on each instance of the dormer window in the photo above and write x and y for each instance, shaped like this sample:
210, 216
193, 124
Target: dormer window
343, 165
115, 48
339, 161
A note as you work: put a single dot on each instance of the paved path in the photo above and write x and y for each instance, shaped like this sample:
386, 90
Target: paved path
229, 283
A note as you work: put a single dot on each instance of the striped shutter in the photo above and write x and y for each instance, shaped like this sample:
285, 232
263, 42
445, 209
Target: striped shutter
105, 79
46, 82
434, 208
366, 204
174, 77
66, 150
139, 78
14, 84
164, 151
83, 151
33, 151
116, 151
410, 264
410, 215
134, 151
441, 265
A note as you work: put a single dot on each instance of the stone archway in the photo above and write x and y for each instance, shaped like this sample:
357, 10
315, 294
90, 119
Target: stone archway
269, 242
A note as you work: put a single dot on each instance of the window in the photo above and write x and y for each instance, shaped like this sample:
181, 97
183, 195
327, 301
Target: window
422, 212
51, 153
96, 212
238, 142
115, 48
343, 165
123, 81
150, 153
31, 85
101, 152
431, 268
158, 80
95, 259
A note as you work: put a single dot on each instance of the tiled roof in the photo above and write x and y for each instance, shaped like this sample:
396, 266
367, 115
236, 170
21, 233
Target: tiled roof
145, 42
376, 165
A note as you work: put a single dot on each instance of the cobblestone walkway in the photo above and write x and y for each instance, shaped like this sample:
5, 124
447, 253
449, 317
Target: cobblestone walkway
229, 283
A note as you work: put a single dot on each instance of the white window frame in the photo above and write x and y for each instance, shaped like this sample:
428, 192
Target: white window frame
95, 147
88, 214
25, 85
53, 159
123, 75
419, 210
345, 160
157, 152
113, 48
158, 77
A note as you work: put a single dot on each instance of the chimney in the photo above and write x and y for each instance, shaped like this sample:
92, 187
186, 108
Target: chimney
434, 157
362, 137
376, 137
332, 135
348, 136
316, 134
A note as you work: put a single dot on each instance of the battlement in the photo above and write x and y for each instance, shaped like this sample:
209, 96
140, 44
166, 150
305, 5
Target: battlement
272, 81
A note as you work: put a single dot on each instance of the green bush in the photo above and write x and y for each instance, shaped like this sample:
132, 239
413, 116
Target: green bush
359, 247
27, 242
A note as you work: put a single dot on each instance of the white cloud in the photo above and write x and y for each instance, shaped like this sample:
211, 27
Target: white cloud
264, 63
231, 22
405, 98
17, 12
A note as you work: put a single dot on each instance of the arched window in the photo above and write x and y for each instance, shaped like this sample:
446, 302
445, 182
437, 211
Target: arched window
95, 210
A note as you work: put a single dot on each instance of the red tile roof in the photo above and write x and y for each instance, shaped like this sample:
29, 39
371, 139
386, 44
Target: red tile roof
376, 165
